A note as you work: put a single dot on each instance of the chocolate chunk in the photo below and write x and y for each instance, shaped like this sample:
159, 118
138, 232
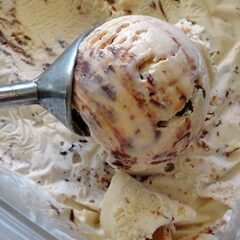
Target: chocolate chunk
157, 134
229, 153
50, 51
3, 39
161, 8
204, 133
119, 154
118, 164
72, 216
142, 178
109, 90
111, 68
153, 5
227, 93
157, 104
152, 94
64, 153
150, 80
14, 47
218, 123
162, 124
5, 52
63, 43
55, 208
71, 148
111, 1
46, 65
187, 108
137, 131
236, 70
203, 145
123, 159
27, 38
84, 68
169, 167
203, 90
139, 97
186, 135
79, 124
127, 11
160, 161
30, 62
183, 98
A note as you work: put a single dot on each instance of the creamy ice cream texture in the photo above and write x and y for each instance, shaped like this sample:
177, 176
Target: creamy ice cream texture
73, 170
142, 87
131, 211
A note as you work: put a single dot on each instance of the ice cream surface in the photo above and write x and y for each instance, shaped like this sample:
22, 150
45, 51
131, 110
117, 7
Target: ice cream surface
73, 170
142, 87
128, 206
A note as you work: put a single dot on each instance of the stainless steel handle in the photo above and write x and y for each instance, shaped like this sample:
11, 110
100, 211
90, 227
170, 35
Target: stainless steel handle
19, 94
52, 90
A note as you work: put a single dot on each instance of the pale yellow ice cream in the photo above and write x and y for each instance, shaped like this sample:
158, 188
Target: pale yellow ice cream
142, 88
131, 211
206, 177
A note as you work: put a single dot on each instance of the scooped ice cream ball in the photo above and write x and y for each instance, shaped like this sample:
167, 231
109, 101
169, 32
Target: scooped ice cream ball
141, 86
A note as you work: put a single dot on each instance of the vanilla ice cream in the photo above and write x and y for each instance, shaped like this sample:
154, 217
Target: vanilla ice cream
128, 206
142, 87
204, 179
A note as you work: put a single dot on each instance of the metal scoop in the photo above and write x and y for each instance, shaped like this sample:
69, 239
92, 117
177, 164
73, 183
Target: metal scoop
52, 90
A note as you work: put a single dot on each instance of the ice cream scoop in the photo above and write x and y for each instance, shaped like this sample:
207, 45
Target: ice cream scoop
52, 90
141, 86
138, 84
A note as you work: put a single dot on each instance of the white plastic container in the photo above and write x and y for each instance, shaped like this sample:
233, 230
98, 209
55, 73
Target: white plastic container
26, 213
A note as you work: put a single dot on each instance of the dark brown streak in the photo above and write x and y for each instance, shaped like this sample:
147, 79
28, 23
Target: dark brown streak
157, 104
161, 8
15, 48
229, 153
160, 161
5, 52
122, 158
169, 167
150, 80
15, 21
139, 99
111, 1
203, 90
186, 135
153, 5
164, 155
188, 107
157, 134
55, 208
162, 124
107, 110
109, 91
72, 216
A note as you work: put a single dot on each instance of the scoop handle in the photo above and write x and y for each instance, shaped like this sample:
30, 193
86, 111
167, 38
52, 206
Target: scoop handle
15, 94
